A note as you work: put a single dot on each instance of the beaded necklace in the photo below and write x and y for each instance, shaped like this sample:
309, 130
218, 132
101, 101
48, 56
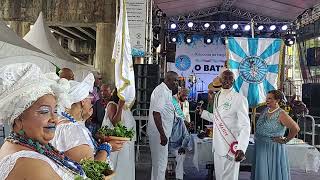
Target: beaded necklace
72, 119
49, 151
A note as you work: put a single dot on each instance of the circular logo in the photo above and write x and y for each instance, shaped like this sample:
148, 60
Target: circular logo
183, 62
253, 69
234, 147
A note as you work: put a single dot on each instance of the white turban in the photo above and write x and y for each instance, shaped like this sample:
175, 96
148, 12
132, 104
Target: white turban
20, 86
80, 90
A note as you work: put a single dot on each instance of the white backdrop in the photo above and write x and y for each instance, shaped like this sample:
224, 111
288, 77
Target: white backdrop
205, 61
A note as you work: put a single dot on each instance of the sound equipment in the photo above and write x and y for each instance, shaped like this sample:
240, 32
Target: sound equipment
313, 56
147, 78
171, 52
311, 97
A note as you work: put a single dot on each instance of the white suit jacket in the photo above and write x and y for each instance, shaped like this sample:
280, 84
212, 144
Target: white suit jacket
236, 118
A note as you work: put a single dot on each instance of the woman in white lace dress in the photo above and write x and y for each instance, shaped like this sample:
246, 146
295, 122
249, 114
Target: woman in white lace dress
72, 137
28, 105
123, 161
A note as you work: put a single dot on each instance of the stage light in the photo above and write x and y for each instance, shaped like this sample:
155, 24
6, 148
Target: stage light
207, 40
156, 29
173, 26
206, 25
284, 27
235, 26
188, 39
260, 28
247, 27
222, 26
156, 43
289, 39
190, 24
173, 39
272, 27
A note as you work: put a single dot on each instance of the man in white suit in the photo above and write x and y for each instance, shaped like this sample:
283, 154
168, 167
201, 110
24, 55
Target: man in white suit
160, 122
231, 129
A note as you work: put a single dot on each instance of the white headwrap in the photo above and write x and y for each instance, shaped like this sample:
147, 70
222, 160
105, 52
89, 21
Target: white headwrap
80, 90
20, 86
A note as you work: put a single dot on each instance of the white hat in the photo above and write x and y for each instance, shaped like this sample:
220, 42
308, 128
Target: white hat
20, 86
80, 90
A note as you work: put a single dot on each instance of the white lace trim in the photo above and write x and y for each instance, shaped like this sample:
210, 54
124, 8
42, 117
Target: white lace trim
9, 161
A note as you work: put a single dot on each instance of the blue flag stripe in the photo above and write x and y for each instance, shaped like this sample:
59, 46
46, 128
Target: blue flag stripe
267, 86
253, 46
253, 94
238, 83
236, 48
232, 64
273, 48
274, 68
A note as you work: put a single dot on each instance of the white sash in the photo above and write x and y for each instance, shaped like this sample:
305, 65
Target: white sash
227, 135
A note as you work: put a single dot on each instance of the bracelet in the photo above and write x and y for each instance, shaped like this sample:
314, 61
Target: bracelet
105, 147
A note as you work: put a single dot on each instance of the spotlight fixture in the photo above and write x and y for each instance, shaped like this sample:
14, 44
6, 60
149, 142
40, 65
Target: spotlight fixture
174, 39
272, 27
156, 43
206, 25
156, 29
222, 26
173, 26
235, 26
190, 24
284, 27
247, 27
159, 13
289, 39
188, 39
207, 40
260, 28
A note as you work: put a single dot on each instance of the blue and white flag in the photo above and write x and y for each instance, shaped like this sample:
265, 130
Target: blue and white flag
124, 73
255, 64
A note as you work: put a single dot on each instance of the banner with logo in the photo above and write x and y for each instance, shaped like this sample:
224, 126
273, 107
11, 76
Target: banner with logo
255, 63
136, 10
199, 61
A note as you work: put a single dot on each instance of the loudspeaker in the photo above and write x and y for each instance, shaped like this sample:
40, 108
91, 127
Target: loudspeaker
147, 78
313, 56
311, 96
171, 52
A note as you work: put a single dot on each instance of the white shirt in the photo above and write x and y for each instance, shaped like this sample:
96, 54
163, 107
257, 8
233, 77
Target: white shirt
185, 109
235, 116
161, 101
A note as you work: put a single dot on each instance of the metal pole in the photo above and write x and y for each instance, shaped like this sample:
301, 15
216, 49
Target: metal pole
252, 28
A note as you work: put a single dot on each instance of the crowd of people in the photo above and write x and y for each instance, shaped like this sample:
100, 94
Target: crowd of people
54, 121
229, 112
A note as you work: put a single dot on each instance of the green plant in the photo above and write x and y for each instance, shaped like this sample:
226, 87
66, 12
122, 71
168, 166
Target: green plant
95, 170
119, 131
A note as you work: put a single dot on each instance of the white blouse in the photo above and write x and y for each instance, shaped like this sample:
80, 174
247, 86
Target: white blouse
8, 162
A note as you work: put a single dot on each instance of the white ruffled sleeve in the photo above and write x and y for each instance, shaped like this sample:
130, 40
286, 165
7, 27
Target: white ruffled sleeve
68, 136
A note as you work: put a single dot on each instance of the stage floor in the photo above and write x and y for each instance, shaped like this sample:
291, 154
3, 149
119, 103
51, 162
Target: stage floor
143, 170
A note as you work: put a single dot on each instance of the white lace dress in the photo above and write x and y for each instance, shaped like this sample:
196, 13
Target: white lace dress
123, 161
8, 162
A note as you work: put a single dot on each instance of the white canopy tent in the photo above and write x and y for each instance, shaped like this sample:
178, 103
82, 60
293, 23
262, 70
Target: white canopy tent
13, 49
41, 37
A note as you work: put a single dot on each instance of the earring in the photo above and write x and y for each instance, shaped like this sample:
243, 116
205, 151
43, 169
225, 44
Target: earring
21, 132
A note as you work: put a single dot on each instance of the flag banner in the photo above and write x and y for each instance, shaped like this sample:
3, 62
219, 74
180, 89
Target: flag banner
255, 64
121, 56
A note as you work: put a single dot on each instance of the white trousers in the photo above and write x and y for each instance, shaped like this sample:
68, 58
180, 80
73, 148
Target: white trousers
179, 167
225, 169
159, 157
